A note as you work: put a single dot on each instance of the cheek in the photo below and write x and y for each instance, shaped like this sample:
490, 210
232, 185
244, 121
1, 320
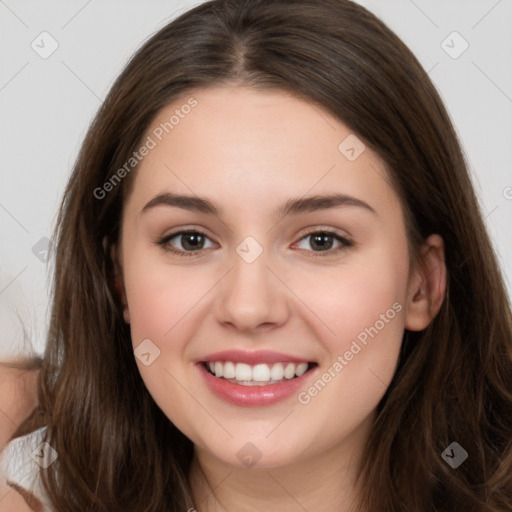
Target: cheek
352, 298
362, 304
164, 302
160, 299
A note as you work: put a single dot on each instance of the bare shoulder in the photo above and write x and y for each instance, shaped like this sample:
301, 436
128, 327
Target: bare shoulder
18, 397
12, 501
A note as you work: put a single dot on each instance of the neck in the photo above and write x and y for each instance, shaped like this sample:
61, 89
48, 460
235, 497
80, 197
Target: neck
324, 482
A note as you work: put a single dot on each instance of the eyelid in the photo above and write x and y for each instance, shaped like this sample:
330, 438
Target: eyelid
344, 240
318, 228
164, 241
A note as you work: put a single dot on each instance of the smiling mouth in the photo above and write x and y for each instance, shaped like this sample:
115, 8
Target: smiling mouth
257, 375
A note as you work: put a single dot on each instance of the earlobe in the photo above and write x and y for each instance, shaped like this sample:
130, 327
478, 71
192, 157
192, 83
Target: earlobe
427, 285
119, 284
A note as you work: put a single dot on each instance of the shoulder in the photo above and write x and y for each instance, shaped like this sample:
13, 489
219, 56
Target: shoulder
12, 501
18, 396
21, 461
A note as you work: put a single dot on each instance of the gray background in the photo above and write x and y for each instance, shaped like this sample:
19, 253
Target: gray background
47, 104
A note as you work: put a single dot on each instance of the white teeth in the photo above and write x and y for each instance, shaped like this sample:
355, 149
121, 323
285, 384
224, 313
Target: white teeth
289, 371
247, 374
261, 373
301, 369
229, 370
219, 369
242, 371
277, 372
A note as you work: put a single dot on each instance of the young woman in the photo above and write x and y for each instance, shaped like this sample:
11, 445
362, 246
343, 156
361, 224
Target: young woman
273, 288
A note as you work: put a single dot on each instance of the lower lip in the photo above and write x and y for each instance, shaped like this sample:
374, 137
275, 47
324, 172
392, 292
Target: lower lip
253, 396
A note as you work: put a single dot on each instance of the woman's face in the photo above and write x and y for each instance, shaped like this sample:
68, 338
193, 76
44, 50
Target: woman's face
272, 280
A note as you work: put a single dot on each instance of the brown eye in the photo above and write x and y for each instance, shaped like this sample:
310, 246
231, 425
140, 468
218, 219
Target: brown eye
190, 241
324, 241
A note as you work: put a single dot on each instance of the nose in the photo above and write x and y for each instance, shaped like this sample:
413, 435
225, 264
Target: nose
251, 297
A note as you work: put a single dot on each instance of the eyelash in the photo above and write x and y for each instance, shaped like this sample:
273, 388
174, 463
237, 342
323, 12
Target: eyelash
163, 242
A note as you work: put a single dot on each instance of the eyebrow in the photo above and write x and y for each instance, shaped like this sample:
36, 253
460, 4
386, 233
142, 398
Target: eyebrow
290, 207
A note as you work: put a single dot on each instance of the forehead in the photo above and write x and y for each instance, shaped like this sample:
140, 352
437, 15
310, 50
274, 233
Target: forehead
256, 148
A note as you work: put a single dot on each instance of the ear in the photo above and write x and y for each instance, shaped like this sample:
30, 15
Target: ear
427, 285
119, 282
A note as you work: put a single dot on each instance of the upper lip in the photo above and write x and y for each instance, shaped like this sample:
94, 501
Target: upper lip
254, 357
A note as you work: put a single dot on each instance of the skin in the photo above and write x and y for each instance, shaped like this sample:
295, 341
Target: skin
248, 152
18, 398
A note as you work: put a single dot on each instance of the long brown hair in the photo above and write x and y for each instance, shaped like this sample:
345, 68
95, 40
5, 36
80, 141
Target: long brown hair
117, 450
